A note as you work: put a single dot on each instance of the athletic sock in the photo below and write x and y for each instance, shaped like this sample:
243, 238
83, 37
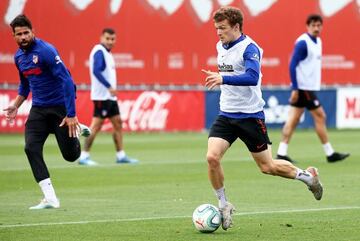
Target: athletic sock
283, 147
220, 194
48, 190
304, 176
120, 154
84, 155
328, 149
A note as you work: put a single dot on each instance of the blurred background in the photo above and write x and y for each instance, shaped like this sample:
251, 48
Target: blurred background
163, 44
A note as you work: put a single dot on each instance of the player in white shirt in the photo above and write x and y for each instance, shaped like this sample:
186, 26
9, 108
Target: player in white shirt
305, 73
103, 95
241, 111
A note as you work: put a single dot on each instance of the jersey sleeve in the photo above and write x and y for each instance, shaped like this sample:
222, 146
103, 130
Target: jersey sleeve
299, 54
24, 88
99, 66
59, 70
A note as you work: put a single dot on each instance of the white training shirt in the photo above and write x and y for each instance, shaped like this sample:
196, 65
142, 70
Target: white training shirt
235, 99
308, 71
98, 90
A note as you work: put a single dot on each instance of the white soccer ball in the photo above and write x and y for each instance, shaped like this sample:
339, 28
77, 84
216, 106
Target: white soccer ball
206, 218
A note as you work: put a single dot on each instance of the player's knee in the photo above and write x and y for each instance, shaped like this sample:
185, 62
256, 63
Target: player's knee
213, 160
31, 148
71, 156
267, 169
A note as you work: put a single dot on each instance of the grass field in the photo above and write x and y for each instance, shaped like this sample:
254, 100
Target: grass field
154, 200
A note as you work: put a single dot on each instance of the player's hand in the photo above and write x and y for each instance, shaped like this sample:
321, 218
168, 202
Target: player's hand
112, 91
294, 96
213, 79
73, 125
11, 112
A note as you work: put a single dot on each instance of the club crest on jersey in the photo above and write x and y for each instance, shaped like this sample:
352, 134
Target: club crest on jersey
225, 68
35, 59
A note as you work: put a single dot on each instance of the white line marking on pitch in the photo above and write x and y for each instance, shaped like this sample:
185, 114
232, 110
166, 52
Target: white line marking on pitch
175, 217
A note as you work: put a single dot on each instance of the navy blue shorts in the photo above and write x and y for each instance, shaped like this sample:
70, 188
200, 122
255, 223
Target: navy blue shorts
251, 131
105, 108
307, 99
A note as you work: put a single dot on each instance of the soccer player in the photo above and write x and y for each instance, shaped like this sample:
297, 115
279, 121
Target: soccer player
241, 111
103, 95
42, 72
305, 73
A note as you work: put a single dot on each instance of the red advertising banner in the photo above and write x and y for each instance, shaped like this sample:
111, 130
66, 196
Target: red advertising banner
348, 108
140, 110
170, 41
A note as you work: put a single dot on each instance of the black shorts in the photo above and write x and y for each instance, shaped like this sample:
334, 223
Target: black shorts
307, 99
251, 131
105, 108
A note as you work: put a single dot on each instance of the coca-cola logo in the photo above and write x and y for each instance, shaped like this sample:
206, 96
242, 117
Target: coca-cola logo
146, 112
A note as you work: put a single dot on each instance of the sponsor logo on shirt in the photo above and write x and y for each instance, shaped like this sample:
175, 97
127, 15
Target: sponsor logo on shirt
225, 68
34, 71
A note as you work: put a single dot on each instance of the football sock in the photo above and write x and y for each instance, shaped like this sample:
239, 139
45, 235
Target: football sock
48, 190
282, 151
304, 176
120, 154
220, 194
84, 155
328, 149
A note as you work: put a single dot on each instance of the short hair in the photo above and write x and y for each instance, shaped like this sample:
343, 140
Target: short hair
108, 30
314, 18
20, 21
232, 14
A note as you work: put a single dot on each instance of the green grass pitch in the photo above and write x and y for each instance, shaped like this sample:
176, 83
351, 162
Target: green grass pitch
154, 200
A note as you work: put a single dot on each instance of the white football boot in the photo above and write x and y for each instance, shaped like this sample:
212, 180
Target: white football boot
46, 204
84, 130
226, 212
316, 188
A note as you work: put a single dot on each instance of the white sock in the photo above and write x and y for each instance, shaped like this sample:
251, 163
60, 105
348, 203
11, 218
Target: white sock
120, 154
328, 149
283, 147
220, 194
84, 155
304, 176
48, 190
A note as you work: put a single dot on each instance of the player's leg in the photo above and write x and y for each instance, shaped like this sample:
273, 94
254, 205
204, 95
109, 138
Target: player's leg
115, 118
283, 168
221, 136
319, 117
95, 127
36, 133
216, 150
69, 146
253, 133
100, 112
288, 130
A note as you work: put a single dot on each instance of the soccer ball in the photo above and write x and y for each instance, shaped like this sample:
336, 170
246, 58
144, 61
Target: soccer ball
206, 218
